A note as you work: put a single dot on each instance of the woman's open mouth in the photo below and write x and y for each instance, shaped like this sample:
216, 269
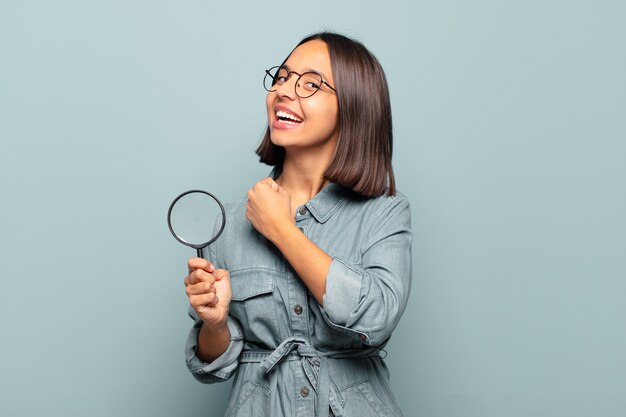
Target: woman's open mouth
286, 117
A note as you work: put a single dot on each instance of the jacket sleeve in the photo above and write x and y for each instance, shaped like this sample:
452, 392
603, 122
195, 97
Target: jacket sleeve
366, 301
222, 367
226, 364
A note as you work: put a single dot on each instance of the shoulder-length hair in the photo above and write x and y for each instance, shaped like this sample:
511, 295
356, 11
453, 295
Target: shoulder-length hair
362, 158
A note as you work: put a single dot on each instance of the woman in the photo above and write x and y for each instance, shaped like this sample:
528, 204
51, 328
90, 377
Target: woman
313, 269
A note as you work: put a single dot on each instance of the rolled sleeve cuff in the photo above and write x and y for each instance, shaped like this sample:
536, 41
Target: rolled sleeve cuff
343, 287
223, 366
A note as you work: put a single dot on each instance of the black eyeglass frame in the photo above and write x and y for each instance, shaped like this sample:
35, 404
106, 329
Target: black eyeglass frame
268, 73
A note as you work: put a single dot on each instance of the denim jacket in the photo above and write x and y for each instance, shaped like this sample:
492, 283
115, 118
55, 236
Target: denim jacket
291, 356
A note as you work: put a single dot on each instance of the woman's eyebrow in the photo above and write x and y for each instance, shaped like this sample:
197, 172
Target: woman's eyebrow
307, 69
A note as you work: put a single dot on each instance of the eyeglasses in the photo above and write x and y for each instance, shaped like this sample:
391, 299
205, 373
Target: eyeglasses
306, 84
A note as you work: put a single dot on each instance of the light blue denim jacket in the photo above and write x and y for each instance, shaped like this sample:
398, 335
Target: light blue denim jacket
290, 356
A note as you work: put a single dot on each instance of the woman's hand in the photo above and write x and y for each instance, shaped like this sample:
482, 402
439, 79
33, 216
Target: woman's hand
209, 292
269, 207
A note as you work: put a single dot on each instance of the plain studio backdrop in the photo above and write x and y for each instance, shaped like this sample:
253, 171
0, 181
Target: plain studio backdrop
509, 140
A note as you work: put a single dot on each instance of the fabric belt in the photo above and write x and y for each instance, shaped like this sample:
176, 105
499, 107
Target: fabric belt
297, 348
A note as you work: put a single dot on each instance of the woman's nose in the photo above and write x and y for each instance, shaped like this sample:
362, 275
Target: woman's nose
288, 88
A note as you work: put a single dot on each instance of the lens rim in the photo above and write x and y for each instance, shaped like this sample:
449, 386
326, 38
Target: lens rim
183, 241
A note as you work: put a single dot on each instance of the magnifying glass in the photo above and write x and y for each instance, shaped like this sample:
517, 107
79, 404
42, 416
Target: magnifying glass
196, 218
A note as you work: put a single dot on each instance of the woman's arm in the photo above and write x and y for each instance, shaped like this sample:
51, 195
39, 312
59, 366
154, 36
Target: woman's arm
365, 300
309, 261
209, 294
268, 210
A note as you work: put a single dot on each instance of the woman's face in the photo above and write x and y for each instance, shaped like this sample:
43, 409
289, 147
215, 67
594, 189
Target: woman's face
315, 126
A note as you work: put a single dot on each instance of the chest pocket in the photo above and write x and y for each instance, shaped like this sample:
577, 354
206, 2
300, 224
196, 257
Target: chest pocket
254, 305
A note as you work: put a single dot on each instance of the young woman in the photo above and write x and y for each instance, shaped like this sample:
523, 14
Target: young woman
313, 270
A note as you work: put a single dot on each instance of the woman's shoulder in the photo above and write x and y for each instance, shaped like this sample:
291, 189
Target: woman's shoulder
236, 212
385, 211
235, 206
380, 203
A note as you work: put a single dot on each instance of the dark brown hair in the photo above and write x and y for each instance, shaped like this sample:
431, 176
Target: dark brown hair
362, 159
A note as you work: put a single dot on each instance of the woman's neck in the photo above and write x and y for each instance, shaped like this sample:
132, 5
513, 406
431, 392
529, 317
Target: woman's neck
303, 178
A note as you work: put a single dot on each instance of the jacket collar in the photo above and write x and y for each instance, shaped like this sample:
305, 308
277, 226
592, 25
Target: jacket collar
325, 203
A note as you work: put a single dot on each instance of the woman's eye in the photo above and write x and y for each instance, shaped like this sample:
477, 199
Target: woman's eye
280, 79
311, 84
310, 81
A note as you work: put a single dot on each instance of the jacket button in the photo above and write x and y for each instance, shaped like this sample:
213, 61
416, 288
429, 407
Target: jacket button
362, 338
304, 392
302, 210
298, 309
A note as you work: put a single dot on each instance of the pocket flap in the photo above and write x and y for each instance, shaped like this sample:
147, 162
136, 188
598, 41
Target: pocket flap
250, 283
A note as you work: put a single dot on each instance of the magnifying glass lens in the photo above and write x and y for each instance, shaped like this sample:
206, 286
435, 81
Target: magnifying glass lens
196, 218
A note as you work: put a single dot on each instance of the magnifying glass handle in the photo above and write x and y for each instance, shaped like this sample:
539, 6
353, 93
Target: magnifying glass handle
199, 251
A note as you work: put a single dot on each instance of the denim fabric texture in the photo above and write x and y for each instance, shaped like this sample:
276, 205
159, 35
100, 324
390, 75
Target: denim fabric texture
290, 356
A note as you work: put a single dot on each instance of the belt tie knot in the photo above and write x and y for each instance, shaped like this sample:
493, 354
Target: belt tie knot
314, 363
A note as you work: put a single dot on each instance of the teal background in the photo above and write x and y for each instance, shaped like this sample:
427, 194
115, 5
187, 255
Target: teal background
510, 133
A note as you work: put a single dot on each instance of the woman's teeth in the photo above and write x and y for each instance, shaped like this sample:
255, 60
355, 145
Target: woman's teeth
287, 117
